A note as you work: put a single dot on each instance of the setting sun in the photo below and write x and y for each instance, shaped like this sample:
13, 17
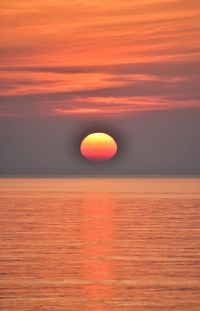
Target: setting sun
98, 147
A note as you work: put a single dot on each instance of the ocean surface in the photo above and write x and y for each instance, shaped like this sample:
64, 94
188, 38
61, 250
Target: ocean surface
102, 244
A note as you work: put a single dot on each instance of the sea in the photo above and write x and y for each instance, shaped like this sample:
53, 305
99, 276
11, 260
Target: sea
100, 244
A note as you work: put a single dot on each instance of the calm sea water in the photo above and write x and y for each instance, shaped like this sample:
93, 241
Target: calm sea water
99, 244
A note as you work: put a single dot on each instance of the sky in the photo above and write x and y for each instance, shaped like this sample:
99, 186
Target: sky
130, 68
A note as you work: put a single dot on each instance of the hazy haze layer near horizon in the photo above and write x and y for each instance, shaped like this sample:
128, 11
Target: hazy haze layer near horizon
152, 143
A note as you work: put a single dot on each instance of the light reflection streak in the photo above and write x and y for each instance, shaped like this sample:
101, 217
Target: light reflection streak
97, 234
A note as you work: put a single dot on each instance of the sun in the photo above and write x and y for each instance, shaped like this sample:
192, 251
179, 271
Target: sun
98, 147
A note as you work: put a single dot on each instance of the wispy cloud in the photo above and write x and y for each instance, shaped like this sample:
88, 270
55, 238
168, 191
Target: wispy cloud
93, 57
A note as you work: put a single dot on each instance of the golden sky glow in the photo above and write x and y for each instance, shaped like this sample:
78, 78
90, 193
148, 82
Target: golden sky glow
87, 57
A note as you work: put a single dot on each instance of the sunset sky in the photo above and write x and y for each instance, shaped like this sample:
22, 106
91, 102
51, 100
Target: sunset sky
66, 64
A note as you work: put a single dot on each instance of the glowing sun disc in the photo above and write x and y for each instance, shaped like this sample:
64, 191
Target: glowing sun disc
98, 147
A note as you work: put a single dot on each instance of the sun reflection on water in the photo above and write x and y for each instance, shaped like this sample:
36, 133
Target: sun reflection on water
97, 234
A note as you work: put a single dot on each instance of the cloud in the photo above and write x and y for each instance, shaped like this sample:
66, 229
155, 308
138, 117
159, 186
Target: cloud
98, 57
115, 89
90, 32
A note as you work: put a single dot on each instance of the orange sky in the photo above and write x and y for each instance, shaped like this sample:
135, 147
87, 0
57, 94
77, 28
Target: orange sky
88, 57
